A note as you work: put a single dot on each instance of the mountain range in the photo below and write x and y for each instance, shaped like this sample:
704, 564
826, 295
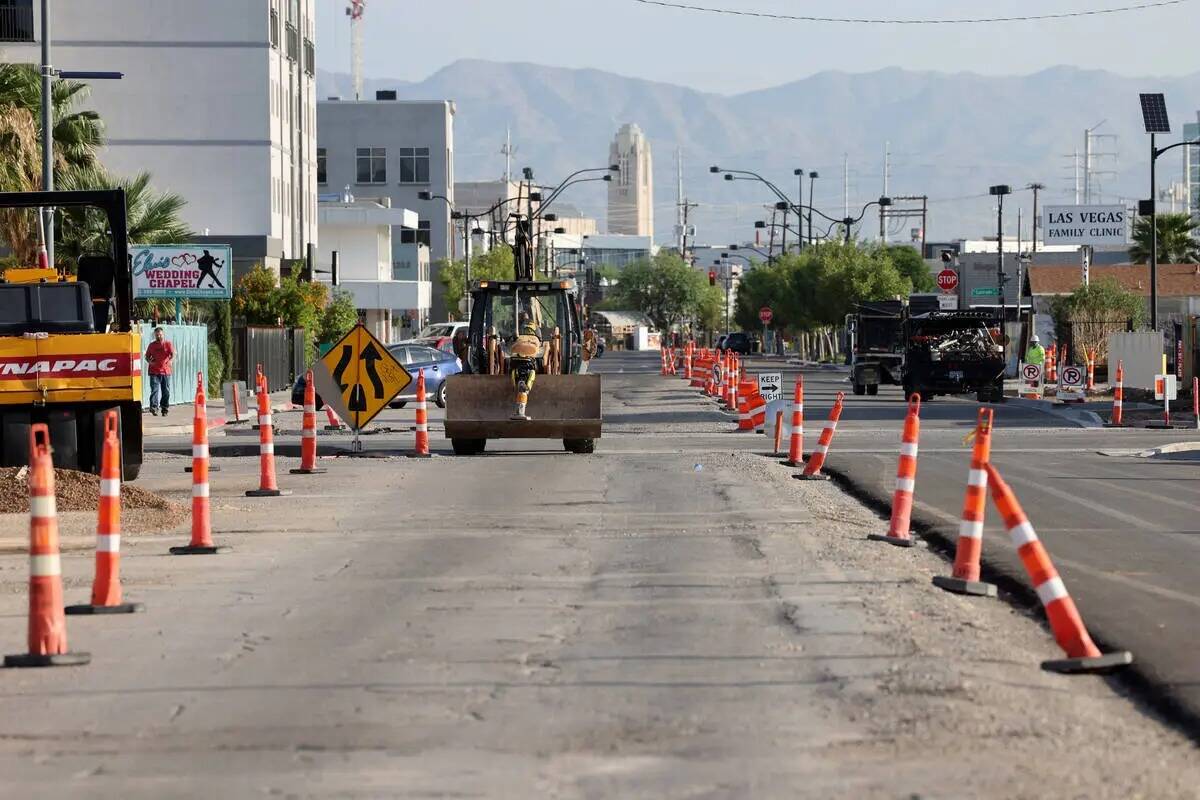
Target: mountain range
950, 136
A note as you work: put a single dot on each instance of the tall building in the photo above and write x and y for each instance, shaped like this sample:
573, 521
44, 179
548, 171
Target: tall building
1191, 167
396, 149
631, 193
217, 102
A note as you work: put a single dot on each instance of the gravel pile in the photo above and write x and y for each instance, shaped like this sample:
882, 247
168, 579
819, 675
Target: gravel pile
74, 491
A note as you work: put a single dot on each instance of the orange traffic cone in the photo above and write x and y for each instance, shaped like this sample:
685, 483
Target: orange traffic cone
106, 587
202, 543
196, 444
332, 421
421, 445
1065, 622
899, 532
1118, 410
965, 577
308, 435
796, 444
47, 625
267, 487
812, 471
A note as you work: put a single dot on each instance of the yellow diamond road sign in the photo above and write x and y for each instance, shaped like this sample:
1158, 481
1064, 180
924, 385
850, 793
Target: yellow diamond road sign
358, 377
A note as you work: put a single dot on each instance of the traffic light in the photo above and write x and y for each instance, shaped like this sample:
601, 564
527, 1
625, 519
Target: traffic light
712, 278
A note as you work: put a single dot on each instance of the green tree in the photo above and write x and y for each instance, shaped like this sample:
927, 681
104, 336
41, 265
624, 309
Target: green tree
78, 135
151, 217
851, 274
710, 309
665, 288
253, 297
495, 264
1096, 310
338, 318
910, 264
1176, 240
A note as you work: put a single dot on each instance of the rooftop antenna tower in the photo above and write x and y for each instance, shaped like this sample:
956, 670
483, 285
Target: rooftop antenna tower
355, 12
508, 151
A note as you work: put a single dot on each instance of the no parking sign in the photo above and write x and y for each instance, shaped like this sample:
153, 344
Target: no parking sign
1031, 380
1070, 384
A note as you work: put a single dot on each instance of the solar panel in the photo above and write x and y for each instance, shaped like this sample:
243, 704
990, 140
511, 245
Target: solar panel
1154, 113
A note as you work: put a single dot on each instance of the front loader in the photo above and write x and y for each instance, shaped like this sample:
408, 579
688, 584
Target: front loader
65, 358
524, 363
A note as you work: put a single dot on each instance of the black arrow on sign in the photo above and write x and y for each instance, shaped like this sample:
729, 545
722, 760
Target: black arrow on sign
342, 365
770, 387
370, 355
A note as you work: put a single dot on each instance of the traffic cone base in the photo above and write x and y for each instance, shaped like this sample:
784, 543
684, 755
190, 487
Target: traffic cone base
1080, 666
820, 476
960, 586
59, 660
198, 550
120, 608
897, 541
268, 492
1116, 425
211, 467
303, 471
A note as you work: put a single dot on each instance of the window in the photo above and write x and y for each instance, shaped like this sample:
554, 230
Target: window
372, 165
310, 57
292, 41
274, 32
16, 20
420, 236
414, 165
322, 176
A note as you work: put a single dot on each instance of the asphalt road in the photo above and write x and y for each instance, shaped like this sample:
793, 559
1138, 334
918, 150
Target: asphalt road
670, 617
1123, 531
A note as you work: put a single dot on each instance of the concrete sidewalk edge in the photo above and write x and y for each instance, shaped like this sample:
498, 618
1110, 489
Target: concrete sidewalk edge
1079, 417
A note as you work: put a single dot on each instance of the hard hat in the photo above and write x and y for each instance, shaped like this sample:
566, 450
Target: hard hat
1034, 339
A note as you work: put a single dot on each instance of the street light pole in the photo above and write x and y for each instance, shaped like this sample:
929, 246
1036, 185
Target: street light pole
812, 182
1153, 234
998, 192
47, 132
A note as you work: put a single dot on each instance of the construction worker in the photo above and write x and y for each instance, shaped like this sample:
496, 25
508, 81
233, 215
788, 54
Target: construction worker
1036, 354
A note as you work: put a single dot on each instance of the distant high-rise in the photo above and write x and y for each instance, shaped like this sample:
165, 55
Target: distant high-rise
631, 193
1191, 166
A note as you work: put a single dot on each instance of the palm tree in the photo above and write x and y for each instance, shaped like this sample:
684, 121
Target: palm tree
1176, 240
78, 136
152, 217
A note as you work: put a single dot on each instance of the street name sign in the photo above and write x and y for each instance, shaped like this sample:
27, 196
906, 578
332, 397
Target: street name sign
358, 377
770, 386
1084, 225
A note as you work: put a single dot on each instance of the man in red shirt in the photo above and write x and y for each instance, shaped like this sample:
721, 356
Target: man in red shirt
158, 356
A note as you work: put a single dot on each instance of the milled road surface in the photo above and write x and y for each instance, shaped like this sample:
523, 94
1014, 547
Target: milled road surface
1122, 530
671, 617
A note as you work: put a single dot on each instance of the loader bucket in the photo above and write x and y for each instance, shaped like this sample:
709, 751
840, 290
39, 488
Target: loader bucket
560, 407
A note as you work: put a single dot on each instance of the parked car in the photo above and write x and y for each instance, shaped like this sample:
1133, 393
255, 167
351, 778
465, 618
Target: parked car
439, 336
438, 366
741, 343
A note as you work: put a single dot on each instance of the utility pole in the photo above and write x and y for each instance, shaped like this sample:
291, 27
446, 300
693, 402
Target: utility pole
47, 132
846, 185
887, 170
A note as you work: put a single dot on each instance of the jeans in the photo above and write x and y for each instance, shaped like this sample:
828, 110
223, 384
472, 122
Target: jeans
160, 387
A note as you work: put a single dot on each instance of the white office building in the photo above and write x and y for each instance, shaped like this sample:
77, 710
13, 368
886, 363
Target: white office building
1191, 167
396, 149
391, 294
217, 102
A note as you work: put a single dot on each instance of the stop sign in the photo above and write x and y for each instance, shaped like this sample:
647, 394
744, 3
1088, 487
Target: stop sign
947, 280
766, 315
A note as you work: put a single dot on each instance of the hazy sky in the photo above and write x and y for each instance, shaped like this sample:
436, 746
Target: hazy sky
410, 39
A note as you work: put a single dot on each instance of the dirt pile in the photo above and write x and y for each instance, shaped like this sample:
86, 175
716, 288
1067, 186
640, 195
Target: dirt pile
74, 491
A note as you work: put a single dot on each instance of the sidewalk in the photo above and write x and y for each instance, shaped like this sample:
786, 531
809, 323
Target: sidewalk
179, 421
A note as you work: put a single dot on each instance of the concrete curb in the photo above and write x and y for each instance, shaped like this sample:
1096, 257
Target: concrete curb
1079, 417
181, 430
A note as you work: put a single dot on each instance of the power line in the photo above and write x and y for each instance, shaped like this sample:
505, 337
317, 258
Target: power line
885, 21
